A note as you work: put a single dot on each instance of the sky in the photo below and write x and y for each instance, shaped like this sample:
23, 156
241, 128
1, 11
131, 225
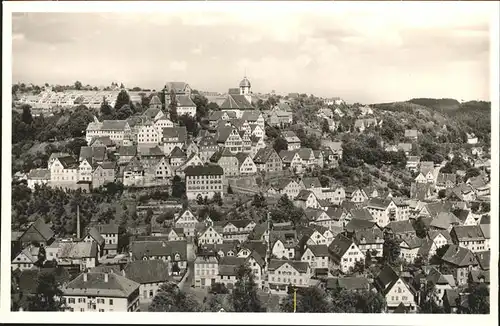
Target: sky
368, 54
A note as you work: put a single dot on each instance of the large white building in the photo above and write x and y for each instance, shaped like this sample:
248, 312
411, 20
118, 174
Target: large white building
204, 180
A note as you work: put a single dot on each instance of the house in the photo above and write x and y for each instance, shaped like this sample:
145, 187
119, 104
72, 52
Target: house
101, 292
110, 234
117, 130
395, 290
281, 273
317, 256
291, 160
466, 216
210, 236
409, 248
26, 259
401, 229
126, 154
236, 229
150, 274
174, 252
185, 106
245, 164
206, 270
307, 157
173, 137
178, 88
442, 283
267, 160
38, 177
216, 116
355, 195
104, 141
354, 283
283, 243
383, 210
280, 118
405, 147
462, 261
438, 239
485, 229
37, 232
420, 191
306, 199
412, 163
355, 225
177, 157
444, 221
155, 104
468, 236
92, 235
134, 173
204, 180
411, 134
148, 135
79, 255
227, 161
207, 146
103, 174
228, 269
229, 138
292, 141
93, 154
254, 117
472, 139
446, 181
238, 103
462, 193
345, 253
192, 160
312, 184
370, 240
323, 218
336, 195
287, 187
64, 172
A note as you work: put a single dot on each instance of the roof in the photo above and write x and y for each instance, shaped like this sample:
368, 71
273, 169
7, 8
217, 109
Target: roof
177, 87
177, 153
39, 174
300, 266
152, 112
459, 256
116, 125
116, 286
369, 236
228, 265
348, 283
38, 231
411, 133
251, 115
68, 162
176, 132
305, 153
142, 249
412, 242
93, 153
147, 271
304, 194
127, 150
318, 250
485, 230
184, 101
378, 203
72, 250
96, 236
287, 156
339, 246
311, 182
446, 177
245, 82
263, 155
355, 225
467, 232
483, 258
361, 213
444, 220
210, 169
405, 147
28, 278
155, 100
110, 228
105, 140
236, 101
386, 279
398, 227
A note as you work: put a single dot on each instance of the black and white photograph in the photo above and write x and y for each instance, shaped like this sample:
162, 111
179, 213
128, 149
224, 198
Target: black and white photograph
251, 157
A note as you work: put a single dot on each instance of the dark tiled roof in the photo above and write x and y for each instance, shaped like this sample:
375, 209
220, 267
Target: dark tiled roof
142, 249
298, 265
185, 101
147, 271
264, 154
399, 227
127, 150
459, 256
236, 101
303, 195
356, 224
115, 125
96, 236
37, 232
483, 257
116, 286
318, 250
311, 182
339, 246
467, 233
211, 169
107, 228
176, 132
348, 283
177, 153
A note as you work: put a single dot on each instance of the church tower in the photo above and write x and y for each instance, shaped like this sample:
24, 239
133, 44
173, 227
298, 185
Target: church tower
245, 89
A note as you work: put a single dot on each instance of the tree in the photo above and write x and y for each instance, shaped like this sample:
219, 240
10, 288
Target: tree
201, 103
173, 106
325, 127
122, 99
442, 193
124, 112
280, 144
199, 199
428, 295
420, 228
244, 294
178, 187
230, 190
478, 299
27, 118
391, 250
259, 200
78, 85
308, 300
74, 146
48, 296
217, 198
218, 288
190, 123
106, 110
170, 298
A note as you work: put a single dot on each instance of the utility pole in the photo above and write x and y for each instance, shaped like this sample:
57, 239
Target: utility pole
295, 300
78, 222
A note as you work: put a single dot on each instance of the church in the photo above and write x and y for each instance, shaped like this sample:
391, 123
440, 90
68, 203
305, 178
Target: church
239, 100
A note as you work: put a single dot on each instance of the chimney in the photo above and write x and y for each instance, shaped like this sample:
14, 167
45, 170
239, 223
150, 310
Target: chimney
78, 222
163, 244
85, 276
106, 277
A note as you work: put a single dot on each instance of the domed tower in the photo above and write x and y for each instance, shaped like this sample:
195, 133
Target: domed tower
245, 86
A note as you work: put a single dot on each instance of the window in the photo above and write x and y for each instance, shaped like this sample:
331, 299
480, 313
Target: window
110, 302
101, 310
71, 300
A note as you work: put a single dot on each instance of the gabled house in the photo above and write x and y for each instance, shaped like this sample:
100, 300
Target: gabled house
462, 261
356, 195
317, 256
210, 236
370, 240
37, 232
345, 253
282, 187
470, 237
173, 137
291, 160
268, 160
281, 273
150, 274
306, 199
293, 142
227, 161
395, 290
312, 184
245, 164
174, 252
186, 221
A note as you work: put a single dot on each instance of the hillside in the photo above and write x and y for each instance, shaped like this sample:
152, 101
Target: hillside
443, 105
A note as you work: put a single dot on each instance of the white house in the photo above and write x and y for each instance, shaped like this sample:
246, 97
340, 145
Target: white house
345, 253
